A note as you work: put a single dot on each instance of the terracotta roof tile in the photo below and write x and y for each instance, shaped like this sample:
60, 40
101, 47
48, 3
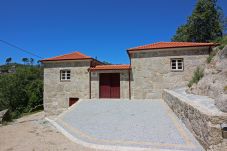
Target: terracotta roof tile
111, 67
162, 45
72, 56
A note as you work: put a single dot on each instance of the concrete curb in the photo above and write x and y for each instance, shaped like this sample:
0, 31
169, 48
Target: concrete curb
98, 146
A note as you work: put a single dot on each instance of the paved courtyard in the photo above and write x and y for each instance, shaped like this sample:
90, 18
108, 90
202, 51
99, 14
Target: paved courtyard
146, 124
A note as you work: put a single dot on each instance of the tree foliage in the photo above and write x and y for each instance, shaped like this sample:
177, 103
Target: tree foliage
25, 60
22, 90
205, 24
8, 60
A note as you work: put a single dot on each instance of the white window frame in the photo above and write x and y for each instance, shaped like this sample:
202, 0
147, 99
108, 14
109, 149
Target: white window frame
178, 62
65, 75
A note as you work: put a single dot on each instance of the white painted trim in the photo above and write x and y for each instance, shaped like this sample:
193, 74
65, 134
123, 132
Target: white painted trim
177, 63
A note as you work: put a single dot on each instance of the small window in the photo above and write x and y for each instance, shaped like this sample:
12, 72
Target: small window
65, 75
177, 64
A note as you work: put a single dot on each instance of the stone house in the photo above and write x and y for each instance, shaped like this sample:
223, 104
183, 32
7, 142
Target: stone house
152, 68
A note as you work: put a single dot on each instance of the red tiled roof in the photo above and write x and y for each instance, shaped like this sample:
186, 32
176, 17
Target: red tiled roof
162, 45
111, 67
72, 56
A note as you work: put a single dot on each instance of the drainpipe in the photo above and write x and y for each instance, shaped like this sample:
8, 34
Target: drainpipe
129, 83
90, 81
129, 75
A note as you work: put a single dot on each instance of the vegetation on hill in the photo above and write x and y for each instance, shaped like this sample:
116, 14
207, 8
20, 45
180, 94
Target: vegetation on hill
214, 80
206, 23
21, 90
198, 74
223, 42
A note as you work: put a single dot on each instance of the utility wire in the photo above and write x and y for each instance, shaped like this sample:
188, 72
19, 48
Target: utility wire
26, 51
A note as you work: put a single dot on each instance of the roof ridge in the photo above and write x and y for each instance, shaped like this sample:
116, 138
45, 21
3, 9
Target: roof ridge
81, 54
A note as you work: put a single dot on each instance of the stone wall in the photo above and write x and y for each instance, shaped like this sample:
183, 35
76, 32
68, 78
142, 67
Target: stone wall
151, 70
124, 83
57, 92
200, 117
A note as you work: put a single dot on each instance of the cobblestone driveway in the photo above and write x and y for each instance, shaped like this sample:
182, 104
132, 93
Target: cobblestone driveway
141, 123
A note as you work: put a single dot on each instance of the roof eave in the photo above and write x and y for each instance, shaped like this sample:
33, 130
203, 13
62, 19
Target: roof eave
138, 49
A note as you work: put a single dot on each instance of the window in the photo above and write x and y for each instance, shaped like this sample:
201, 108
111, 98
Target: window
65, 75
177, 64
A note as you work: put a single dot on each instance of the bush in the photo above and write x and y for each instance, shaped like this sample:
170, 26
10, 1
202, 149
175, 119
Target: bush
198, 74
21, 91
225, 88
212, 54
222, 41
35, 93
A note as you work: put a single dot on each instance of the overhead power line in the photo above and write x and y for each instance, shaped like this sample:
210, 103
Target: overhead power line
24, 50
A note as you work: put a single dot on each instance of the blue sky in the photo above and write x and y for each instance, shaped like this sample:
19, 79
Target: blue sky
98, 28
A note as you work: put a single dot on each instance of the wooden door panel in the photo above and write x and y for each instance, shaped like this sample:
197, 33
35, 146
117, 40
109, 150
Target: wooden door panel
109, 85
115, 85
105, 86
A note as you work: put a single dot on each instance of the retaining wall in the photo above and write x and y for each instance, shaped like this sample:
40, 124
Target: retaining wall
202, 119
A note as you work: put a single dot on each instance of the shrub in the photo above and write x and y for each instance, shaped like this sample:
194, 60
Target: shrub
198, 74
225, 88
21, 91
212, 54
222, 41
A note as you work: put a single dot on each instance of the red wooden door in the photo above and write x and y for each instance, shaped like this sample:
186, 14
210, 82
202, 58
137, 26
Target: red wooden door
109, 85
104, 85
115, 85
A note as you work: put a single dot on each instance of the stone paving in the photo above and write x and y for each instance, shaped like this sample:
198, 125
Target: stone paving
141, 124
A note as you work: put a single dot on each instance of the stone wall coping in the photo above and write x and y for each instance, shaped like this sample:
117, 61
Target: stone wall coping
213, 111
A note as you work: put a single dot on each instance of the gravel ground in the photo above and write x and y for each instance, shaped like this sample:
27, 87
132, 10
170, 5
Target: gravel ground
33, 133
122, 123
141, 123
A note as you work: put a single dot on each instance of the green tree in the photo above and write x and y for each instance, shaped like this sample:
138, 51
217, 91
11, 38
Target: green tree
31, 60
22, 90
205, 24
25, 60
34, 92
8, 60
181, 34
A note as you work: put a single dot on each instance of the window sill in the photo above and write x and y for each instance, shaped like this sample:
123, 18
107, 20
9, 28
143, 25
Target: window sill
177, 70
65, 80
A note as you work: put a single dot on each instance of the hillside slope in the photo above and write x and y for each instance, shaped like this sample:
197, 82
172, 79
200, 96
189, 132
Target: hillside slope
214, 81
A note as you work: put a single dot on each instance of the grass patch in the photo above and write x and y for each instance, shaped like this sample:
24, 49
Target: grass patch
212, 54
198, 74
225, 88
33, 112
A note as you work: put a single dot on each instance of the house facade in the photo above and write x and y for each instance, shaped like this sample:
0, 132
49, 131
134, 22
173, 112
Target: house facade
152, 68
